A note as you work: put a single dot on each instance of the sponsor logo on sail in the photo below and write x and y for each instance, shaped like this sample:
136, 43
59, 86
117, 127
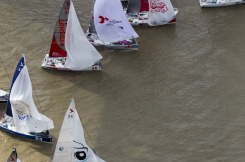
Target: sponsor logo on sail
108, 22
70, 115
80, 151
62, 31
158, 6
61, 148
103, 19
22, 109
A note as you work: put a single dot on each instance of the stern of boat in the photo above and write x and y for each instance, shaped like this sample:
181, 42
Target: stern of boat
7, 124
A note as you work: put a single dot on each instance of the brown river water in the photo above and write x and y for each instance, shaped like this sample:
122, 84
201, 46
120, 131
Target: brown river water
180, 97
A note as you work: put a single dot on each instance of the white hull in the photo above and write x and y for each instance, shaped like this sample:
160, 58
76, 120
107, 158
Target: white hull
142, 18
7, 124
128, 45
58, 63
4, 96
215, 3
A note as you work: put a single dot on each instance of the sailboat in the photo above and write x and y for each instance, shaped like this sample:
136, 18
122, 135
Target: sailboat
3, 96
13, 156
71, 145
110, 28
219, 3
151, 12
70, 49
22, 117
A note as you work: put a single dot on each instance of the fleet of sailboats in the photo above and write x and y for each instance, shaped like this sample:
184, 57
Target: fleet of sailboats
72, 50
109, 26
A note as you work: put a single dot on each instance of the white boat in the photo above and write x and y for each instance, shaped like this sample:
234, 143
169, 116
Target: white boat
71, 145
151, 12
219, 3
70, 49
3, 96
22, 117
13, 156
110, 28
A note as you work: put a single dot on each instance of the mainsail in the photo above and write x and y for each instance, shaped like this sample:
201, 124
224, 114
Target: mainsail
144, 5
18, 69
71, 145
110, 21
25, 114
133, 6
13, 156
81, 53
160, 12
57, 48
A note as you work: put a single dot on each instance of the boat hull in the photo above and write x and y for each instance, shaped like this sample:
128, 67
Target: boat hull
57, 63
8, 127
137, 20
121, 45
3, 96
204, 3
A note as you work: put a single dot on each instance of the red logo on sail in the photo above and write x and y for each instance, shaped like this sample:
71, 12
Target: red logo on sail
62, 31
103, 19
158, 6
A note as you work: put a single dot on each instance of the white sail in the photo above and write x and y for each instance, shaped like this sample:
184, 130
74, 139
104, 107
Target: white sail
160, 12
110, 21
25, 114
71, 145
80, 53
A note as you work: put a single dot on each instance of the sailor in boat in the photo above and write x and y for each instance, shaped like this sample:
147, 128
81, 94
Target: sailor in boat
43, 133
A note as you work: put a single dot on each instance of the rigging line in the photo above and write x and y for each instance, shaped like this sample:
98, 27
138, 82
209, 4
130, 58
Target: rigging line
88, 134
37, 98
5, 69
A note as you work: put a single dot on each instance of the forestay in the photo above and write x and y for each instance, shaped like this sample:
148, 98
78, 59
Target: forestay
71, 145
25, 114
110, 21
81, 54
160, 12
